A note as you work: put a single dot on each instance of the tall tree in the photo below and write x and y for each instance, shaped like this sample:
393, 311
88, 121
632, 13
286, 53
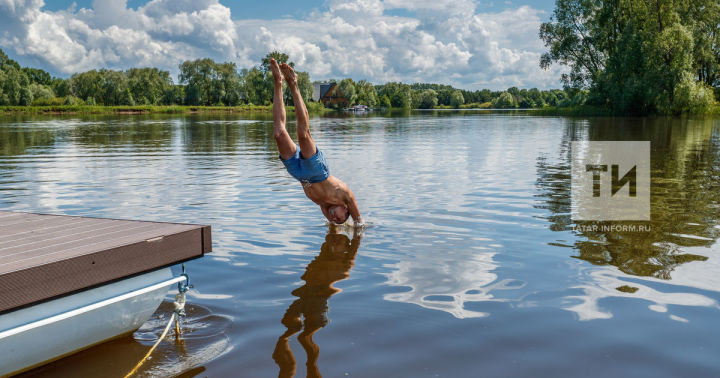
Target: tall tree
427, 99
400, 95
41, 92
148, 86
227, 85
36, 75
5, 61
86, 85
456, 99
366, 94
198, 75
504, 101
637, 56
13, 86
255, 86
114, 90
305, 86
572, 37
347, 89
279, 57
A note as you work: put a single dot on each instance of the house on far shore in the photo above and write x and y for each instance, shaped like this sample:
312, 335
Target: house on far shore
328, 94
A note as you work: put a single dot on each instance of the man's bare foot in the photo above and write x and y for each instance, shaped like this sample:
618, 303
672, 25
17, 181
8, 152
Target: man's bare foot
289, 74
275, 68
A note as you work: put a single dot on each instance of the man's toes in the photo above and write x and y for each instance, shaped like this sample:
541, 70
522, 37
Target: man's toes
274, 68
287, 70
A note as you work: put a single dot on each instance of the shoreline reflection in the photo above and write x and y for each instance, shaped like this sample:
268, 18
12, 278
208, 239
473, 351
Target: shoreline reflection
676, 247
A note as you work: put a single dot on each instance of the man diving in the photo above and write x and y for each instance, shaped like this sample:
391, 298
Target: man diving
304, 161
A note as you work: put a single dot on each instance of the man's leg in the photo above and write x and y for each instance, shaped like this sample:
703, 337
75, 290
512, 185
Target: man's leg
307, 145
285, 144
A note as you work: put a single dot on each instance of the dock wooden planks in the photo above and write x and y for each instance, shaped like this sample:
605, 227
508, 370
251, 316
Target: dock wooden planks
47, 256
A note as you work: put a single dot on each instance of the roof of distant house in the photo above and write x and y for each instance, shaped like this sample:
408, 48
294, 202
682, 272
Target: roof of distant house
324, 88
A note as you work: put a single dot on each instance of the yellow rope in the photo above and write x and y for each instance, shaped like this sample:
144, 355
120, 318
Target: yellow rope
167, 328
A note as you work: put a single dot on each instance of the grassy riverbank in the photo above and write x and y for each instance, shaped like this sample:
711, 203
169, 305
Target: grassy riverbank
313, 108
142, 109
590, 111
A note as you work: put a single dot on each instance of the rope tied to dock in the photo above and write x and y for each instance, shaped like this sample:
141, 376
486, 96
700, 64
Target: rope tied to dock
179, 311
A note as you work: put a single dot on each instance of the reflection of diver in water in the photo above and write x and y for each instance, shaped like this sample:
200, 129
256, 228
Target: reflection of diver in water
333, 264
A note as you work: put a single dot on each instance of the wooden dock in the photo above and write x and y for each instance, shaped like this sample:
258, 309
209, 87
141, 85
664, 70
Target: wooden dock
47, 256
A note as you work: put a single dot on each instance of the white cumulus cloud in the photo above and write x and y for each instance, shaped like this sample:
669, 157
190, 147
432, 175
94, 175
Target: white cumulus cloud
437, 41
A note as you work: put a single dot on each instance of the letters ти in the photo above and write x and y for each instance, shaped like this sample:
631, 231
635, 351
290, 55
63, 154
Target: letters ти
617, 183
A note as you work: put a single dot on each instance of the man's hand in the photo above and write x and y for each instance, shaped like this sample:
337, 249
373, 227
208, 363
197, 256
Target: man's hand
358, 233
353, 208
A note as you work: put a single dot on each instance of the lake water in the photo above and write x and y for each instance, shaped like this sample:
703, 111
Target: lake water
471, 265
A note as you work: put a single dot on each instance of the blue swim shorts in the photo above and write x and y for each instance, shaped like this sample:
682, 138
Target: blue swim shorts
312, 170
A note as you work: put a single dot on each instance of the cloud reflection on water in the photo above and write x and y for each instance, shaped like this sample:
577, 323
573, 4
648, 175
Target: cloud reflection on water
452, 282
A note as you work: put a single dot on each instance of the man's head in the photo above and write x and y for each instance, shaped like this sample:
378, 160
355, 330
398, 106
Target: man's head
338, 214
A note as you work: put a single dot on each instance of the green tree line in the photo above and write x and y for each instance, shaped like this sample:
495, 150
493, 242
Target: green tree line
200, 82
206, 82
428, 96
628, 57
649, 56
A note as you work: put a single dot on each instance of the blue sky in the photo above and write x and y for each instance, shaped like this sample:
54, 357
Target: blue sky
466, 43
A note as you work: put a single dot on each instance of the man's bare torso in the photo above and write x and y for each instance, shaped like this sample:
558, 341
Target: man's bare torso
327, 193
